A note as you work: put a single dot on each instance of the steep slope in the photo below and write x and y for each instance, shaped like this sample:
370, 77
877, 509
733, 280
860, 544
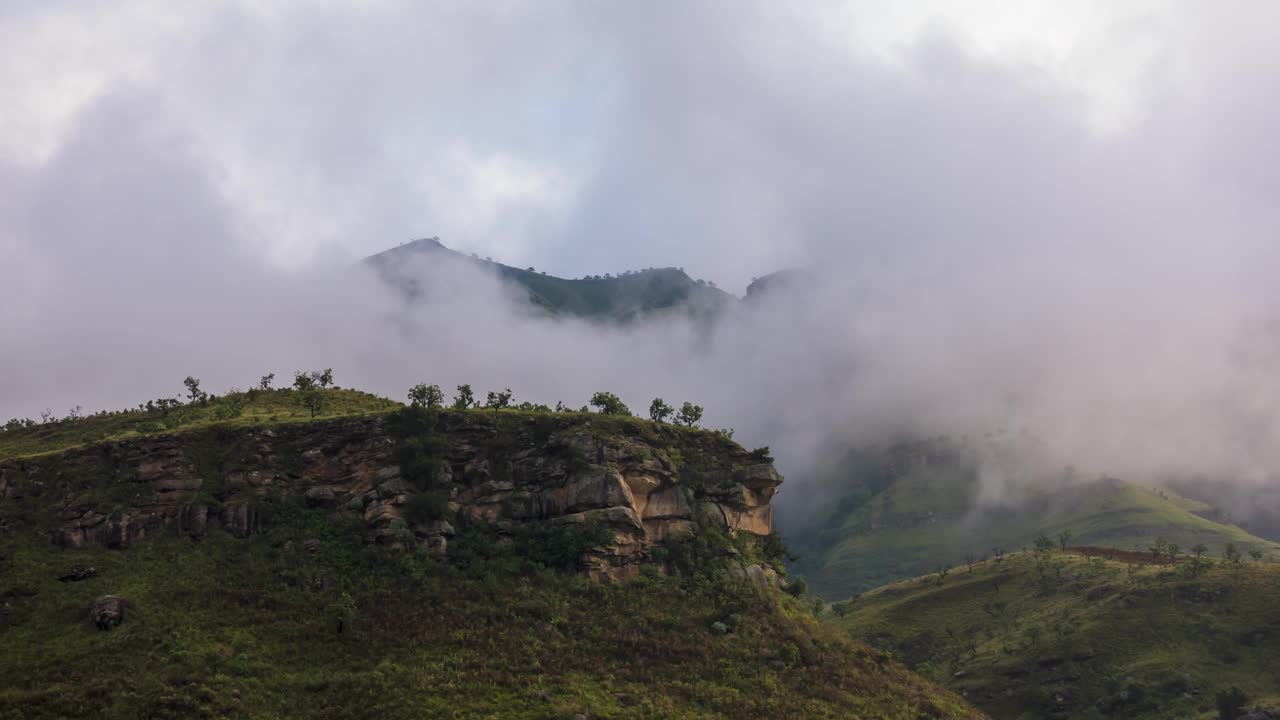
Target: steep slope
407, 564
1085, 633
909, 510
622, 298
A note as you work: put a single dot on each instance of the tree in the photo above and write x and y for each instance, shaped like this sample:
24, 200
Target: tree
499, 400
194, 394
1064, 537
313, 399
1199, 550
464, 399
690, 414
530, 269
302, 382
609, 404
342, 611
265, 382
1159, 547
425, 396
1231, 553
659, 410
1256, 554
324, 379
1043, 543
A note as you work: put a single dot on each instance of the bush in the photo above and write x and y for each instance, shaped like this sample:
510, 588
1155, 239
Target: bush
426, 507
798, 587
1230, 703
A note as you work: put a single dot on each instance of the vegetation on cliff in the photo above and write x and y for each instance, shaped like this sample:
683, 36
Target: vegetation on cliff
271, 565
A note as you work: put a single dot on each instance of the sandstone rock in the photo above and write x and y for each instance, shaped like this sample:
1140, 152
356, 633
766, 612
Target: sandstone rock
320, 497
623, 517
667, 503
195, 519
574, 474
595, 487
78, 573
642, 485
763, 577
240, 519
107, 611
435, 527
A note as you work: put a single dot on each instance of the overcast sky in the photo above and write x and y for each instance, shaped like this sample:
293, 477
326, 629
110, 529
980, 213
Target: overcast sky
589, 137
1053, 217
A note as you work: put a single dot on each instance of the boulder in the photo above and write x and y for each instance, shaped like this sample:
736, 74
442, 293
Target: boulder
78, 573
320, 497
107, 611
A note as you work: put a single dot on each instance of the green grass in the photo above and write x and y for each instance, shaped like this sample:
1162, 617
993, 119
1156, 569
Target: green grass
909, 523
232, 410
1073, 636
232, 628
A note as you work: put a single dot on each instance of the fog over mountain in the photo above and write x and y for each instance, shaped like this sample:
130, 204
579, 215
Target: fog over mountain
189, 194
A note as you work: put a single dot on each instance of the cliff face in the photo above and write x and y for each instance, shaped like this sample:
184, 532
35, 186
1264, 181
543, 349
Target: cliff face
645, 483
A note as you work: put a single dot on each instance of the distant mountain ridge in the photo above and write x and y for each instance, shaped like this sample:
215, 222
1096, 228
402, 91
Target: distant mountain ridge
625, 297
898, 512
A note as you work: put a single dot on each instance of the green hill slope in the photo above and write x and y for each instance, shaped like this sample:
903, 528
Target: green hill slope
621, 298
1073, 635
908, 512
259, 597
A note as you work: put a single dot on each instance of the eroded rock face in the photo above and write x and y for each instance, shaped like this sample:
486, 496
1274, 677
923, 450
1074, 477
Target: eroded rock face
107, 611
646, 484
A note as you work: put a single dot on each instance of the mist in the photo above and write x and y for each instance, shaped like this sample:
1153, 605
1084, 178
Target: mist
986, 261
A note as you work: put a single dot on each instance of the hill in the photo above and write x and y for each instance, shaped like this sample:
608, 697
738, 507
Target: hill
1085, 633
408, 563
608, 298
907, 510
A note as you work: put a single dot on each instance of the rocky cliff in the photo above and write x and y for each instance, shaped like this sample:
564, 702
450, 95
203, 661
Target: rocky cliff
645, 484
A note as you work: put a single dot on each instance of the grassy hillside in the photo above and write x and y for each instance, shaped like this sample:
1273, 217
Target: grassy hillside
899, 518
250, 628
1076, 635
622, 298
234, 409
307, 618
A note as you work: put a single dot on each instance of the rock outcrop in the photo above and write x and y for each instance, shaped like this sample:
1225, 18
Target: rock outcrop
108, 611
646, 483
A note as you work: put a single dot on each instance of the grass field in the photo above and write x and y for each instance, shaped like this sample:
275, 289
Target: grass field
1074, 634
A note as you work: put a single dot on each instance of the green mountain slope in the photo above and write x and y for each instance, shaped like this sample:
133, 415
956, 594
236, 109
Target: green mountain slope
407, 564
1073, 635
910, 510
622, 298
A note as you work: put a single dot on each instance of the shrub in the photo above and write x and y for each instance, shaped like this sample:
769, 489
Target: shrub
798, 587
1230, 703
426, 507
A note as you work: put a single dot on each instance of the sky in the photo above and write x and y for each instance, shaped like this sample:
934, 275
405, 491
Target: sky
584, 137
1053, 218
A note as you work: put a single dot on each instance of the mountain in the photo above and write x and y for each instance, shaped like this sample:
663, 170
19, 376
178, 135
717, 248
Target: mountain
626, 297
1086, 633
903, 511
331, 554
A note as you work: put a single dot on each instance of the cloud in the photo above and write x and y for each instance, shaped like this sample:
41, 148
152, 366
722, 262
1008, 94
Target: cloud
986, 259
